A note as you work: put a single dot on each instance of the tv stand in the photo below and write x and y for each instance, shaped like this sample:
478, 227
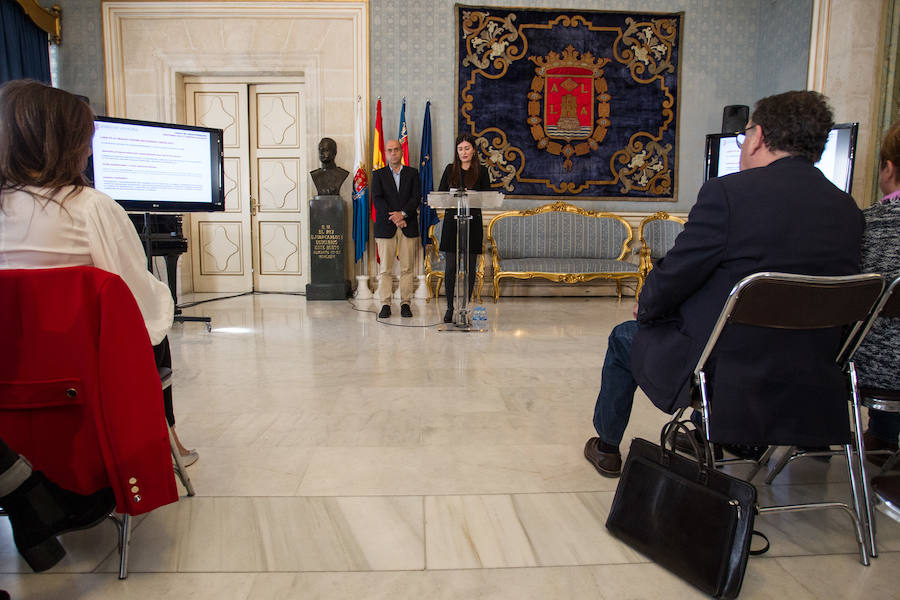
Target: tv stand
171, 260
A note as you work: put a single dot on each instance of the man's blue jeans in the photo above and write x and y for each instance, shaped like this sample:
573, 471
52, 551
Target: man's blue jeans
613, 408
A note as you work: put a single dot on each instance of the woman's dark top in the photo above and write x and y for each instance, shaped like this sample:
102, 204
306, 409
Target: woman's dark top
476, 228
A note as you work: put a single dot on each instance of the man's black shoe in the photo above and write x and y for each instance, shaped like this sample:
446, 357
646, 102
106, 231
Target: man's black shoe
683, 444
39, 510
608, 464
448, 316
405, 311
385, 312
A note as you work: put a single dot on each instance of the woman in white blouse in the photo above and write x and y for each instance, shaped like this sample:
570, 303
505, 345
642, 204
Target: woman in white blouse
49, 218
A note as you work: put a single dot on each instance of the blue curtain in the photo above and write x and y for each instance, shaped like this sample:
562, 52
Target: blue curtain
25, 51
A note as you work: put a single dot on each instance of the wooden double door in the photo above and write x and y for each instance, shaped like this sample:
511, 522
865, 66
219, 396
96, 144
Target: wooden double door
261, 239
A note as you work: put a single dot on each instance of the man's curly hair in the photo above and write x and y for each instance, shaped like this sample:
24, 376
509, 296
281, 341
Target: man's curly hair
795, 122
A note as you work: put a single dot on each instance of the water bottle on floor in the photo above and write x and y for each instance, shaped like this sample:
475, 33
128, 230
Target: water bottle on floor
479, 317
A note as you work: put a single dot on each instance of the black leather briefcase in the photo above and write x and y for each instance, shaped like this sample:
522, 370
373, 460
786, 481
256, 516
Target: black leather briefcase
686, 516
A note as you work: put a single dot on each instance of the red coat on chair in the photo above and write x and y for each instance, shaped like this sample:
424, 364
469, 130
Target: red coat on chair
80, 396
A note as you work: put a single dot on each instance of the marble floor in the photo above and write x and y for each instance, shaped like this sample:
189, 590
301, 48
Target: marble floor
341, 457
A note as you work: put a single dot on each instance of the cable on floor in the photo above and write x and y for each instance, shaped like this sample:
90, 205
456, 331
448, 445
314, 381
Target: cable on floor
383, 322
190, 304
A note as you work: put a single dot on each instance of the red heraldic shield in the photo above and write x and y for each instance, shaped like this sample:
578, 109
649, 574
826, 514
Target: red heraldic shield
568, 103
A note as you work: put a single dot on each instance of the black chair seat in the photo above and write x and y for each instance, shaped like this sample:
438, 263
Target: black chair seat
880, 399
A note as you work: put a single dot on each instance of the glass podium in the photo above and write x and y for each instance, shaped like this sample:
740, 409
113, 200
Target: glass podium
463, 201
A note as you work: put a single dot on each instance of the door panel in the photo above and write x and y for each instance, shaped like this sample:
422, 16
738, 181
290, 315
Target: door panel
279, 248
222, 252
279, 187
220, 246
278, 184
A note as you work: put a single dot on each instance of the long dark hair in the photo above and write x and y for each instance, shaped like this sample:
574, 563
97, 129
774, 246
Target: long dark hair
474, 167
45, 138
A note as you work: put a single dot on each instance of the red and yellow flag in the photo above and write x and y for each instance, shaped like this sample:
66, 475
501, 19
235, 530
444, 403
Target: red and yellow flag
377, 146
403, 136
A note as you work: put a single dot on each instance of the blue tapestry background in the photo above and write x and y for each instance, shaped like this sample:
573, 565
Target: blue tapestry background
501, 96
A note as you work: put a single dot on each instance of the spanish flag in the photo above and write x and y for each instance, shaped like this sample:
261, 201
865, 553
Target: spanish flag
377, 146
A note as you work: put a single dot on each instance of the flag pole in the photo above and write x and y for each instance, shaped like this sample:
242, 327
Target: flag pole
360, 204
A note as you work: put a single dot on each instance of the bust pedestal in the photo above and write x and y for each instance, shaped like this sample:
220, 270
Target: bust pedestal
326, 250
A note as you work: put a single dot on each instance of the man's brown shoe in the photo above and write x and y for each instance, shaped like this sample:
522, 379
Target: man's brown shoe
608, 464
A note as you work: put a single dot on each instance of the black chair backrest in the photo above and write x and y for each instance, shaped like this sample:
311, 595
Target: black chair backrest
789, 301
782, 301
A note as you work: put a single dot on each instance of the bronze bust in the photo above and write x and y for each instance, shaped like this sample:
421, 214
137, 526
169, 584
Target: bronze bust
329, 178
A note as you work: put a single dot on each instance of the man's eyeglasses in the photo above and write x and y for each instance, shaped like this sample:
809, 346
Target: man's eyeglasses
742, 135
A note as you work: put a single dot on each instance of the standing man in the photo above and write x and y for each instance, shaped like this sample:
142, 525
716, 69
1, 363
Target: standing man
779, 213
395, 194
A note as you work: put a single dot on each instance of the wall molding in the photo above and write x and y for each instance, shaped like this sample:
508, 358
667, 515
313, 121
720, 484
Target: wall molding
818, 45
117, 15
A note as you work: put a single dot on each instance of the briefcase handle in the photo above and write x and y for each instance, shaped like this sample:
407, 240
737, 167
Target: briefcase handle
667, 436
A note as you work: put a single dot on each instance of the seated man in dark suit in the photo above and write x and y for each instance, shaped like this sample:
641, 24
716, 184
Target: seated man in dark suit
779, 213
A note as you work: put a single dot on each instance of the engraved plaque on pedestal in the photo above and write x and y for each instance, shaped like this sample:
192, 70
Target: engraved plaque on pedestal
326, 250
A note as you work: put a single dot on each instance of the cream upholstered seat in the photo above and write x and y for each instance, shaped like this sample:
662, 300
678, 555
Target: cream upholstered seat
657, 234
561, 242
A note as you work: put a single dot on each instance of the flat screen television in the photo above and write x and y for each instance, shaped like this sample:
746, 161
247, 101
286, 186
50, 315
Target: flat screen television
158, 167
723, 155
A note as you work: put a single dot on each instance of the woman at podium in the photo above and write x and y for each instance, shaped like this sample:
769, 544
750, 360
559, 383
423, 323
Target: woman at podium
465, 172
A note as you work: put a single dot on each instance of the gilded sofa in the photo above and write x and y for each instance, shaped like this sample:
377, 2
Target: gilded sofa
657, 234
563, 243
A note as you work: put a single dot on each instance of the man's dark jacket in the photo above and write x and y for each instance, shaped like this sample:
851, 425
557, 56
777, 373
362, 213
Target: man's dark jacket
387, 198
767, 386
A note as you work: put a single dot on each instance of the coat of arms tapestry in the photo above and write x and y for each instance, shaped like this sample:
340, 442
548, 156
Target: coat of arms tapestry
572, 103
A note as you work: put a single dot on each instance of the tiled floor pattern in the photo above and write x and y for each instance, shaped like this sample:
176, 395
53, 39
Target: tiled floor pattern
346, 458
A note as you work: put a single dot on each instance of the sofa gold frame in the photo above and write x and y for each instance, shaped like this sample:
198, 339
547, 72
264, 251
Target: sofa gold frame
434, 279
562, 277
646, 264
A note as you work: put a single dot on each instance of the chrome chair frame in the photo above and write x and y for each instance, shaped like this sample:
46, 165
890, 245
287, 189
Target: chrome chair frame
884, 489
165, 377
123, 538
870, 286
888, 305
123, 522
880, 399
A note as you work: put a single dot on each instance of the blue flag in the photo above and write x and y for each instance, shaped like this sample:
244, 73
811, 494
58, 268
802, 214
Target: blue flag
427, 215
